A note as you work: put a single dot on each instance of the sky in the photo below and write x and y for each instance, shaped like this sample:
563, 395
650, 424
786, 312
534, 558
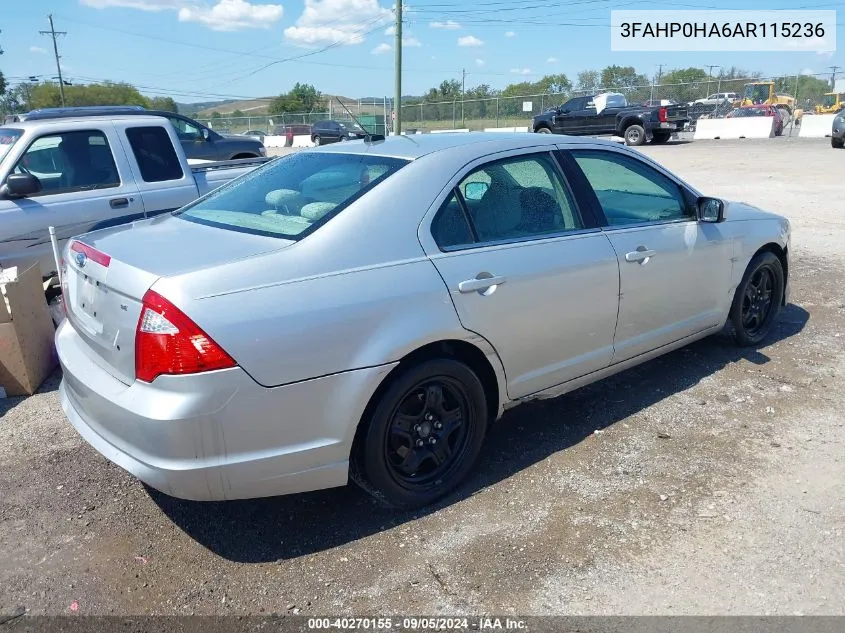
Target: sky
201, 50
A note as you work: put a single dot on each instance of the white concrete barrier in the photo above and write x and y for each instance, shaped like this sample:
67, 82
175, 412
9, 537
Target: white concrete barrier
506, 129
740, 127
275, 140
302, 140
816, 125
449, 131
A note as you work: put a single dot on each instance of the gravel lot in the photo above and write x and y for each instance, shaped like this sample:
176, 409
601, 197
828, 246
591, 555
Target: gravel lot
709, 481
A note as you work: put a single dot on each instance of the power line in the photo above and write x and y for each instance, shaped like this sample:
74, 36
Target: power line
53, 33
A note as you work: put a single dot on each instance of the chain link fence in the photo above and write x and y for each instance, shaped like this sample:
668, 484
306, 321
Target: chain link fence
803, 91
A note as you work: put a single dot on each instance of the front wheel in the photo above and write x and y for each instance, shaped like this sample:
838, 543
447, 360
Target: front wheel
316, 140
838, 143
634, 135
543, 130
757, 299
423, 436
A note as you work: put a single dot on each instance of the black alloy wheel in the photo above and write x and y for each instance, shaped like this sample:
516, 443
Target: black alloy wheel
757, 299
424, 435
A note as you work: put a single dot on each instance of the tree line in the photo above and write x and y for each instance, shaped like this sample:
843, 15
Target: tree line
27, 96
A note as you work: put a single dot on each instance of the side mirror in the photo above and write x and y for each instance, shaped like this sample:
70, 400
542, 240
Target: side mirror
21, 185
710, 210
564, 111
204, 133
475, 190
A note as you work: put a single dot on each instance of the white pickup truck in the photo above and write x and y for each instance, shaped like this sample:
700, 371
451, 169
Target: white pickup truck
91, 172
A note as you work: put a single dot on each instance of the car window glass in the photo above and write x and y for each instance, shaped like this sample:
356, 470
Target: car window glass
185, 130
72, 161
449, 227
154, 153
518, 197
630, 191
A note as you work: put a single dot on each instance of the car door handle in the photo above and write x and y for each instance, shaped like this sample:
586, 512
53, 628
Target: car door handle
118, 203
482, 283
639, 255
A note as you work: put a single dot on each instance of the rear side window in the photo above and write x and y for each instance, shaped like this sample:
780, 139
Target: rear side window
292, 196
155, 154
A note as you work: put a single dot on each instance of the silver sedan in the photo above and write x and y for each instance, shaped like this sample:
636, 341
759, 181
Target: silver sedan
365, 310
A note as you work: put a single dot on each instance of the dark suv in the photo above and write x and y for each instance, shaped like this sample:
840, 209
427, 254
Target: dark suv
324, 132
198, 141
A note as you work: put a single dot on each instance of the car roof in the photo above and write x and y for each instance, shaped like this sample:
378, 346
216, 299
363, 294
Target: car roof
413, 146
61, 121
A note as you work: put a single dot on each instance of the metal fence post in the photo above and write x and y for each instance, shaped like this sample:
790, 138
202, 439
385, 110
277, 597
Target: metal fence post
497, 111
453, 113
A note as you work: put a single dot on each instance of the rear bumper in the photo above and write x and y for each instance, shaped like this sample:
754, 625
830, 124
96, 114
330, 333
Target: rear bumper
217, 435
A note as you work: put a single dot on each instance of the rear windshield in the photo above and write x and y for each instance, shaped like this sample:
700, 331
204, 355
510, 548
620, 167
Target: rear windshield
292, 196
8, 138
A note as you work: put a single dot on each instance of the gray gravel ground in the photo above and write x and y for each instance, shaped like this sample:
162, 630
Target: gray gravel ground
709, 481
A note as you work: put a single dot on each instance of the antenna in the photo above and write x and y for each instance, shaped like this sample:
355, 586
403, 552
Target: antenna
368, 138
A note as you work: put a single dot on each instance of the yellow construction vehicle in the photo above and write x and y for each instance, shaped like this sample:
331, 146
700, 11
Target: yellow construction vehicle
763, 93
833, 102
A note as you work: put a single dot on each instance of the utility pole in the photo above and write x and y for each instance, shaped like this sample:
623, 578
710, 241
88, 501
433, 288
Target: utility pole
463, 92
397, 81
53, 33
710, 76
659, 75
832, 75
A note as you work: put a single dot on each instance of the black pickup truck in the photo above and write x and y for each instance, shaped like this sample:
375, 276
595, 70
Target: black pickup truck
610, 114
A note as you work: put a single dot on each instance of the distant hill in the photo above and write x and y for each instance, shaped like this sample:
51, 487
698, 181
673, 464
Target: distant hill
188, 108
259, 105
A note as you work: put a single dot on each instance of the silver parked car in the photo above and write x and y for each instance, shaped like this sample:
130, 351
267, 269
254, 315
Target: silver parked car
367, 309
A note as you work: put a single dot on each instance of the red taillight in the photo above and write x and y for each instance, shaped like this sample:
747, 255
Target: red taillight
662, 115
91, 253
168, 342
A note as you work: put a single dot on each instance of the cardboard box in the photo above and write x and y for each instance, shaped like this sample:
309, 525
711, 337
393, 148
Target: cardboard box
27, 348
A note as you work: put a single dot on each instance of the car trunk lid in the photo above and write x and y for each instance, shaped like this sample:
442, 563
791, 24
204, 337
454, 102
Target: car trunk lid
108, 272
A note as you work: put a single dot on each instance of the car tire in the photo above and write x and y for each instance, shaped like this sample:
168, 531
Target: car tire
343, 139
659, 138
316, 140
838, 143
634, 135
543, 130
401, 432
757, 299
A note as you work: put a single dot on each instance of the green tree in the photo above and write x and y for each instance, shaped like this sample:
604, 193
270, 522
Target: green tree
683, 84
300, 98
216, 115
166, 104
46, 95
589, 81
809, 87
2, 84
238, 113
622, 78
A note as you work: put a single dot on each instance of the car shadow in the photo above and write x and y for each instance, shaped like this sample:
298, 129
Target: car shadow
261, 530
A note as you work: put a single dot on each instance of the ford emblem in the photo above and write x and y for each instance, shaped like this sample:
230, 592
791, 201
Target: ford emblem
81, 259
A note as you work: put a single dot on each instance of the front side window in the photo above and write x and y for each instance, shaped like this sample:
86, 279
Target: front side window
292, 196
154, 153
629, 191
184, 129
508, 199
72, 161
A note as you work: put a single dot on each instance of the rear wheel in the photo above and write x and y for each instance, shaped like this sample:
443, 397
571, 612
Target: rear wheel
316, 140
757, 299
634, 135
543, 130
838, 143
423, 436
658, 138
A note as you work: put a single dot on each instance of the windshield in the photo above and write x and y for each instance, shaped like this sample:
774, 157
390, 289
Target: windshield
8, 138
292, 196
751, 112
829, 101
757, 93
